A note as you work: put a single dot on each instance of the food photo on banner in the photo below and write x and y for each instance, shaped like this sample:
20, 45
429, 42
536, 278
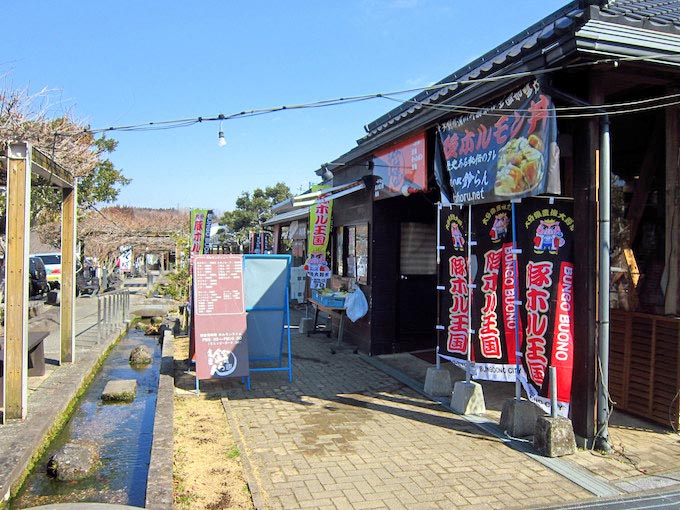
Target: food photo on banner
504, 151
524, 304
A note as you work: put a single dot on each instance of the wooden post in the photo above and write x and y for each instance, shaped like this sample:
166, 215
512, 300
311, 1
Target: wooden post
16, 307
68, 266
672, 258
586, 145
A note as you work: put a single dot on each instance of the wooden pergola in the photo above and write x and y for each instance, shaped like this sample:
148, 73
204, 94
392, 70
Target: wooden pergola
22, 160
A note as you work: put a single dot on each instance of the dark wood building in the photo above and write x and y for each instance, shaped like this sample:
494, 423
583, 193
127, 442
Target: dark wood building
612, 69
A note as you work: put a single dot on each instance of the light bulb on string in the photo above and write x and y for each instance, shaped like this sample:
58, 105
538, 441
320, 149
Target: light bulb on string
221, 141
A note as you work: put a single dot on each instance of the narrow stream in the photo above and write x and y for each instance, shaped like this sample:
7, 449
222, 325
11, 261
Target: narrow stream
123, 432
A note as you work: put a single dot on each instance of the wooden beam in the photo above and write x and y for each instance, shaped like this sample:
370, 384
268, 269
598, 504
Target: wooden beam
16, 282
49, 170
68, 271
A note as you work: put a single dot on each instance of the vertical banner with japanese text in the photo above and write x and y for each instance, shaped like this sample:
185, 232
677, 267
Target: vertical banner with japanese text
219, 317
200, 220
317, 267
494, 311
200, 230
521, 296
545, 232
454, 277
125, 259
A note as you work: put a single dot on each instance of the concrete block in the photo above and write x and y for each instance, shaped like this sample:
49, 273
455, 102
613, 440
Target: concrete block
468, 398
438, 382
120, 390
518, 417
554, 437
306, 325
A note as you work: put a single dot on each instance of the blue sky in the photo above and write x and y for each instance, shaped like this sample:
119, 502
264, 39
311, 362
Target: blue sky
135, 62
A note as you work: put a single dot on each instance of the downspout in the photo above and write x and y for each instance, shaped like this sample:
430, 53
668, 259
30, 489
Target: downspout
604, 264
601, 440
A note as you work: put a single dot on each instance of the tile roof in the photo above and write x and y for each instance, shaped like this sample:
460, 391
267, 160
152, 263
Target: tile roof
659, 15
657, 12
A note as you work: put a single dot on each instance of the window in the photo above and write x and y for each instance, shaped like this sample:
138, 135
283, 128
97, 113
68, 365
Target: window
418, 249
351, 252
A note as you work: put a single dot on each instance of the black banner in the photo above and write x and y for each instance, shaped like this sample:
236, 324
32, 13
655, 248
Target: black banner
505, 151
504, 298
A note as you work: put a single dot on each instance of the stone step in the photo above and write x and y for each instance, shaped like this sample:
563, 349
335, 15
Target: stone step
121, 390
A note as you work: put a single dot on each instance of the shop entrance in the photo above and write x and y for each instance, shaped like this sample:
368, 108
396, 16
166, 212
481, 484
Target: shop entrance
416, 290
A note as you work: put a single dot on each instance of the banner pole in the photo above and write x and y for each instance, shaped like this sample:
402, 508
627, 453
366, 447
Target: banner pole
468, 367
553, 391
439, 273
518, 354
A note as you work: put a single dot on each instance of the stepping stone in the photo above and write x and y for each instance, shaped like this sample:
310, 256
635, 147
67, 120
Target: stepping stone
121, 390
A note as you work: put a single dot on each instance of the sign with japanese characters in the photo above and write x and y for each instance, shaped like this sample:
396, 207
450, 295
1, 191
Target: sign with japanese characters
219, 317
455, 274
200, 230
402, 168
546, 235
495, 315
504, 151
125, 259
317, 267
499, 297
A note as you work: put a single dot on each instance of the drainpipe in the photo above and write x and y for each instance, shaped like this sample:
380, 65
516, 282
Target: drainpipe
604, 263
601, 440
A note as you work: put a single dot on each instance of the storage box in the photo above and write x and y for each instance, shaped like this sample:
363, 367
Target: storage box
329, 299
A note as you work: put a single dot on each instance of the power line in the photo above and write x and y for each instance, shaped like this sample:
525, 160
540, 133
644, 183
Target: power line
393, 96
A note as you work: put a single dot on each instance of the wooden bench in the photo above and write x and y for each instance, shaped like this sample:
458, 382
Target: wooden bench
36, 357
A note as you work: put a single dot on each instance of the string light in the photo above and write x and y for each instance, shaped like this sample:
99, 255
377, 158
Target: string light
602, 109
221, 141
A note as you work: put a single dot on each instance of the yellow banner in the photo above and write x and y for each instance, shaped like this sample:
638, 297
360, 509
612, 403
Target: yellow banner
318, 269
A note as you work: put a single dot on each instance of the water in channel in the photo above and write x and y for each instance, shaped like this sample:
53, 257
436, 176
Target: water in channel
123, 432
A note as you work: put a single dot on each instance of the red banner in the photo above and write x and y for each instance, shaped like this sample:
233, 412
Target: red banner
219, 317
546, 236
402, 168
521, 298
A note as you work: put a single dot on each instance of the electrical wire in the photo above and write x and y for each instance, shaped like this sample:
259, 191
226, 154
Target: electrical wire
588, 111
392, 95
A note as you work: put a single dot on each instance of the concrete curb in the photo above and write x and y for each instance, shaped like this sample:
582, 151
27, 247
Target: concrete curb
24, 441
159, 489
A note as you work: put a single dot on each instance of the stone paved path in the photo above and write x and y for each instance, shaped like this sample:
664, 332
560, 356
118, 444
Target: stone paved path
344, 435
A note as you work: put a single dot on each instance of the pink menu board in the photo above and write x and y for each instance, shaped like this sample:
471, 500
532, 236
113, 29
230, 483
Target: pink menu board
219, 317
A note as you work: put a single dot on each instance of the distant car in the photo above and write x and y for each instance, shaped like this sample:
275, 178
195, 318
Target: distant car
37, 277
53, 265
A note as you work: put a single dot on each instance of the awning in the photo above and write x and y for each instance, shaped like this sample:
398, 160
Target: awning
304, 201
329, 193
287, 217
